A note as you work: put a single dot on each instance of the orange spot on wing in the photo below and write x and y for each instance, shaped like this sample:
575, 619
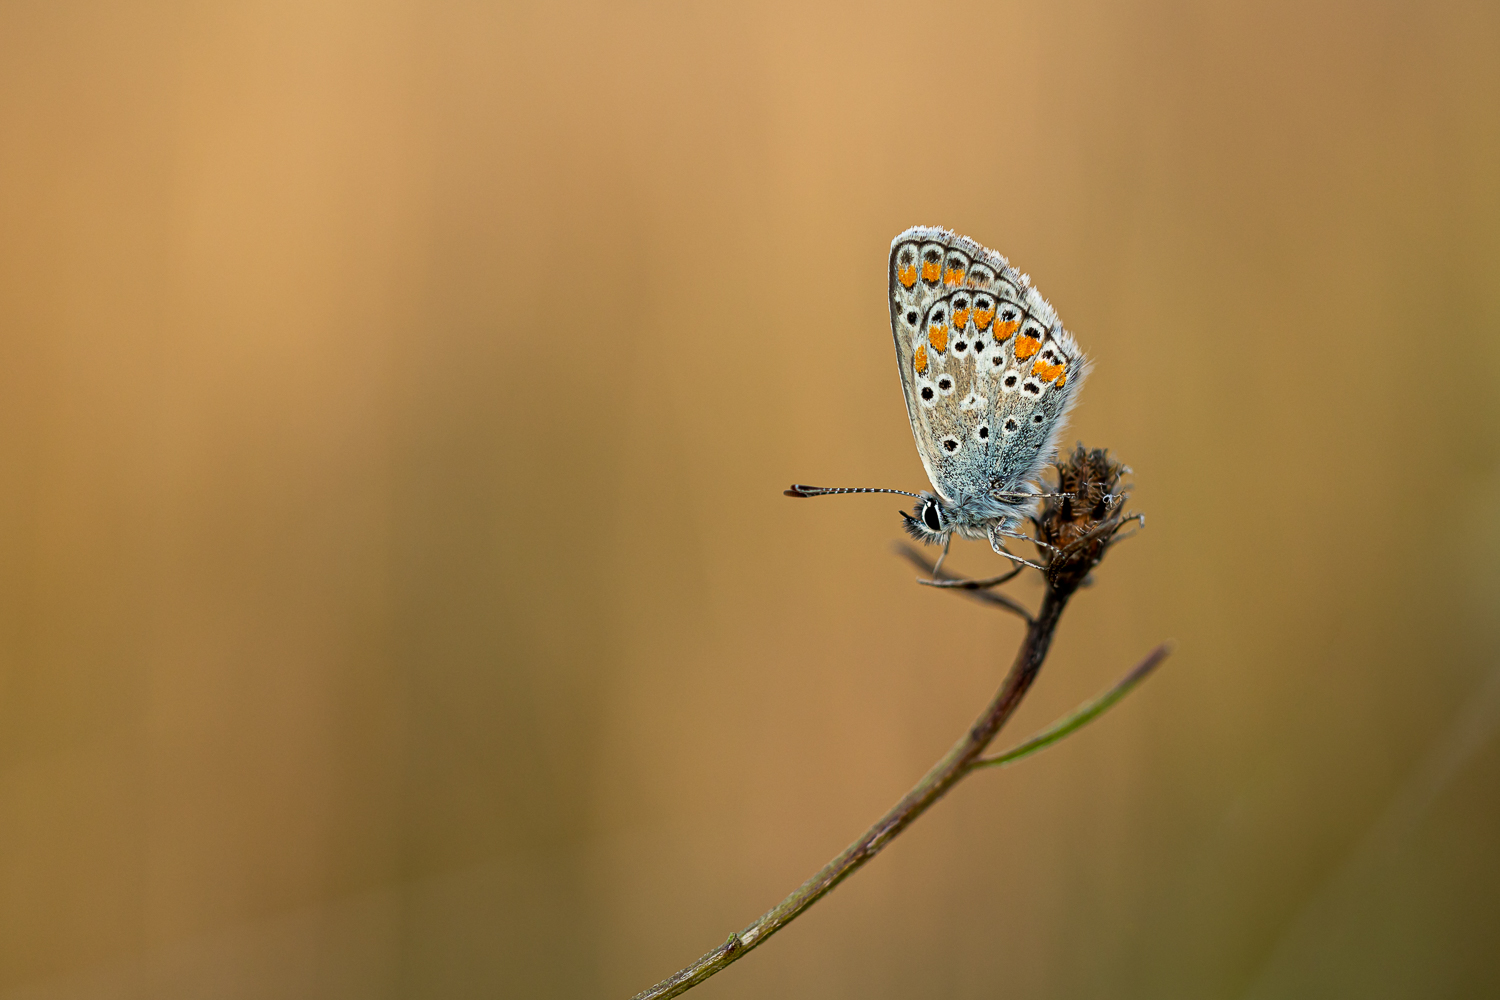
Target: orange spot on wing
953, 276
1046, 371
937, 336
983, 318
920, 361
930, 270
960, 318
1026, 347
1003, 330
1062, 380
907, 275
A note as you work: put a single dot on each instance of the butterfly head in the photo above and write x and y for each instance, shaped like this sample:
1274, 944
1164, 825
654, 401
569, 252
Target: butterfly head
930, 521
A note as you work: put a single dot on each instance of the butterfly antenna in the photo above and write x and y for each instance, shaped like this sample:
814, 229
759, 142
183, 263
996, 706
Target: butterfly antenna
819, 491
1018, 493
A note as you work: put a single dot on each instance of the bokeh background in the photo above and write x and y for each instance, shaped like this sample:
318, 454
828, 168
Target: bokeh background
396, 594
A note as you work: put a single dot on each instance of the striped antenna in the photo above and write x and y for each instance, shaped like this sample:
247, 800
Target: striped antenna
820, 491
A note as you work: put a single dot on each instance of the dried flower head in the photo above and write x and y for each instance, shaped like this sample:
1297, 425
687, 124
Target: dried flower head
1081, 525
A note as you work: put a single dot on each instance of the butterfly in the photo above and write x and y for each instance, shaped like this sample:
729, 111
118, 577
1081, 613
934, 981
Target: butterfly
989, 375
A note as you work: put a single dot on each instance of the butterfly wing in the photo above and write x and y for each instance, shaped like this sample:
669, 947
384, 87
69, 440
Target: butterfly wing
987, 370
918, 283
1033, 389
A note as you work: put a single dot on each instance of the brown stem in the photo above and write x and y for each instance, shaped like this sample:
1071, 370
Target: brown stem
973, 589
957, 763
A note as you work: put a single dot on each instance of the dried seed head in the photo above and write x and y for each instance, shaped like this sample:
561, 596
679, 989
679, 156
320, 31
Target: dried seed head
1084, 524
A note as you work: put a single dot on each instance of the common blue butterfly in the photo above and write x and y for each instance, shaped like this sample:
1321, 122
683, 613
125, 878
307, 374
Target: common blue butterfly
989, 376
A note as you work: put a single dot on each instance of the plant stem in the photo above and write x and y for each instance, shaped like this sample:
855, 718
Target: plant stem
1076, 526
957, 763
1081, 716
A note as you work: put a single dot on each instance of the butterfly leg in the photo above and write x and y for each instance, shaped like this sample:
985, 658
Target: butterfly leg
939, 564
1027, 538
1015, 558
995, 543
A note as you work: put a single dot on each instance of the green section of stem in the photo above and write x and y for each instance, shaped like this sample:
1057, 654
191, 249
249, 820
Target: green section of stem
1085, 713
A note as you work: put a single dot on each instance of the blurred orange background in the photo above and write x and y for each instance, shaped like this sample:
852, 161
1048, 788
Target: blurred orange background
396, 594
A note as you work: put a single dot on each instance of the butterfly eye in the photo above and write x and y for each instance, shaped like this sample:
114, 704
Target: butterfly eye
930, 517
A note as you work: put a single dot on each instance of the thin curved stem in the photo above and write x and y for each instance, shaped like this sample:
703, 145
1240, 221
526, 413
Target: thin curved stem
946, 582
1082, 716
1069, 567
978, 593
944, 775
